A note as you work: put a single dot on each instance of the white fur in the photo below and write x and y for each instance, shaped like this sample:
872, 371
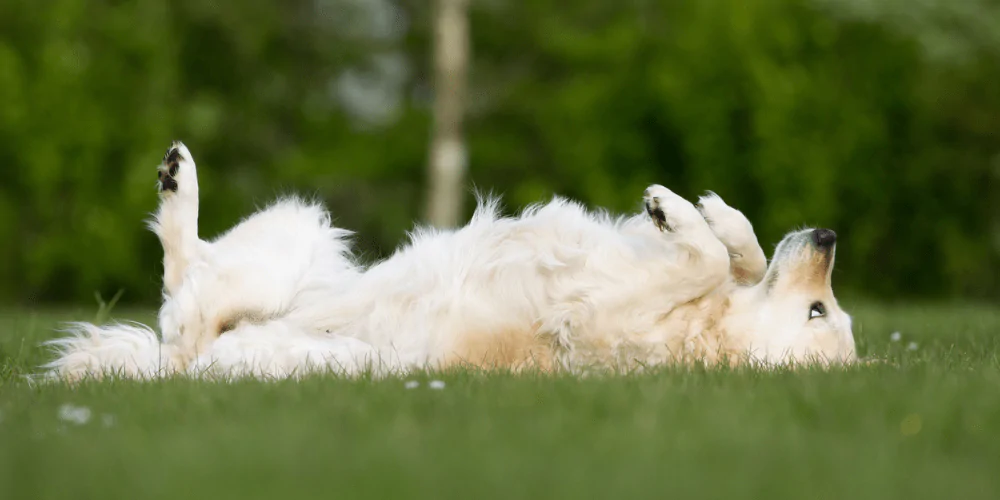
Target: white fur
555, 287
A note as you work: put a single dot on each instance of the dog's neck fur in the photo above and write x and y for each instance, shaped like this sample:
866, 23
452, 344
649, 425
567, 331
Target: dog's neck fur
710, 329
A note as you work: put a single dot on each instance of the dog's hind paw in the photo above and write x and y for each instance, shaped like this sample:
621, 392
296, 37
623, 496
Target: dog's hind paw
167, 171
176, 172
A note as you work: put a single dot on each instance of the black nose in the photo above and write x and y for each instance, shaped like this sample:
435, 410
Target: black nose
824, 238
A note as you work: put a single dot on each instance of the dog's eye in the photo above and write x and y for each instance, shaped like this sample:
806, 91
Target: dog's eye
817, 310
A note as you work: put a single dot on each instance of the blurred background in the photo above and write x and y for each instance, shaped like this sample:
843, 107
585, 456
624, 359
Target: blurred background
878, 118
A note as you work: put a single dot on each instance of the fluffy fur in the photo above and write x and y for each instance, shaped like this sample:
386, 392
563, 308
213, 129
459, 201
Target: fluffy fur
557, 287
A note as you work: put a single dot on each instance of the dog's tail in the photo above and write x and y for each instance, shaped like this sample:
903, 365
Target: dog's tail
127, 350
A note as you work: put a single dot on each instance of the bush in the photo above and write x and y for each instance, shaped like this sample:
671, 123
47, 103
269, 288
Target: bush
796, 112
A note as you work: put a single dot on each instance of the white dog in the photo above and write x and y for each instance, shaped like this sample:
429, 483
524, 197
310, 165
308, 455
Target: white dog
557, 287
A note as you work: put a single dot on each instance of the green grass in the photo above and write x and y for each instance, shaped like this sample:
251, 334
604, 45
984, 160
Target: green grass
926, 425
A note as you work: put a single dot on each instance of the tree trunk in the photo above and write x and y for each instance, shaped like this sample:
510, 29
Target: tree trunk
448, 158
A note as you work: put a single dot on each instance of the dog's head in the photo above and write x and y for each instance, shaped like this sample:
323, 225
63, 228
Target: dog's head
795, 317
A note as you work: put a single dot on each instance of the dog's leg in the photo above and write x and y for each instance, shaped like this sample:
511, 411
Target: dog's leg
285, 259
182, 322
176, 220
747, 262
656, 268
684, 224
135, 350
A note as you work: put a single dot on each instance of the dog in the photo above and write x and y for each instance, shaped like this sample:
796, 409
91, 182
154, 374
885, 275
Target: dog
557, 287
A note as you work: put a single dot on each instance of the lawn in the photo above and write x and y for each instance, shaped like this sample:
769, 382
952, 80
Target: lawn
926, 424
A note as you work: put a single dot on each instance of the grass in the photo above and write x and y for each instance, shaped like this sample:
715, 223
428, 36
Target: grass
926, 425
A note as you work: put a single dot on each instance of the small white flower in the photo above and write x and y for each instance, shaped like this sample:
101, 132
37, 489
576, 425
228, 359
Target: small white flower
78, 415
411, 384
108, 420
436, 384
912, 346
896, 336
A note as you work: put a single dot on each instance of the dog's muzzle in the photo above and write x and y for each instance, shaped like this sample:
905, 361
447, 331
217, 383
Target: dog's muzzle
824, 239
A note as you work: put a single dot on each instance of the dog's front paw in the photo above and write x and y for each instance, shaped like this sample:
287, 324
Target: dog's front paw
668, 210
728, 224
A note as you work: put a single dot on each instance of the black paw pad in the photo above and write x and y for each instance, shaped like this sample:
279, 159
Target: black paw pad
659, 218
167, 174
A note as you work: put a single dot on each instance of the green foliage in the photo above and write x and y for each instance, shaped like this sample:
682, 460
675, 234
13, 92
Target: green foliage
796, 112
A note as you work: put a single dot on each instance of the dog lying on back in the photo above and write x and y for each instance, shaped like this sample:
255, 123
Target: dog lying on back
557, 287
